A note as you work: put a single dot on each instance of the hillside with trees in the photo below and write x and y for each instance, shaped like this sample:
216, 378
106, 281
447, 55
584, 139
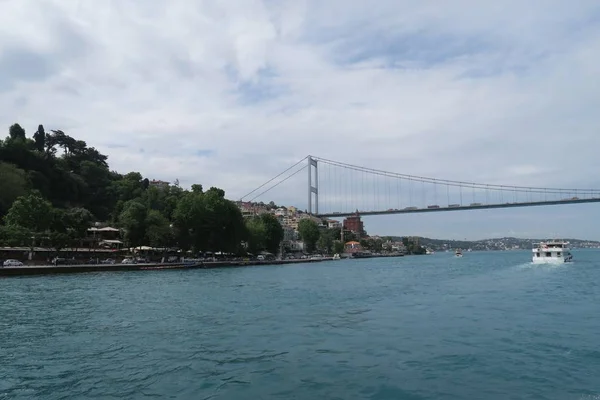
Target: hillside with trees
53, 187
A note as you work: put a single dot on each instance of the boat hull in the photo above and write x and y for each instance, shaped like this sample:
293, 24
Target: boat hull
550, 260
552, 252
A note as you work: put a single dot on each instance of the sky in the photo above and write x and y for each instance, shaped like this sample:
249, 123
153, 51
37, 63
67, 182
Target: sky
231, 93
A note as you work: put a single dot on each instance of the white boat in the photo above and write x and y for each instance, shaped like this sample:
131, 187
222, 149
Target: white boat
458, 253
555, 252
336, 256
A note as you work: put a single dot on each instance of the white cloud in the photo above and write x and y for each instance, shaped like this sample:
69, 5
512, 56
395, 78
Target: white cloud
469, 90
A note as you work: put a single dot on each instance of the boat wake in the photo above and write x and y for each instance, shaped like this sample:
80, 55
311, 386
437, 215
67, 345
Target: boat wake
549, 265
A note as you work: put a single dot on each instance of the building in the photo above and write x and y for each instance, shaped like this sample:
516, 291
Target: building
107, 237
353, 247
281, 212
354, 225
332, 223
289, 234
249, 209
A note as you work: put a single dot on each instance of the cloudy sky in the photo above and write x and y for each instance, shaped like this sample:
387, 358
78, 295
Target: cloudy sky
230, 93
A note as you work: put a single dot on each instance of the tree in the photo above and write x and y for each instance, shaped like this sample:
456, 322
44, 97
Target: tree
309, 232
100, 195
196, 188
77, 221
40, 139
133, 220
338, 247
209, 222
257, 232
224, 222
54, 186
31, 212
188, 217
350, 236
218, 192
16, 132
14, 184
265, 233
158, 230
58, 241
273, 232
14, 236
325, 242
412, 247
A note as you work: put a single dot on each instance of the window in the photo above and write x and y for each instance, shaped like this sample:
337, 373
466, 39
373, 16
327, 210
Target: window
537, 254
548, 254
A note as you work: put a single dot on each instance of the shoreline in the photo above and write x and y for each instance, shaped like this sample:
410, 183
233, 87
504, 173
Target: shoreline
84, 268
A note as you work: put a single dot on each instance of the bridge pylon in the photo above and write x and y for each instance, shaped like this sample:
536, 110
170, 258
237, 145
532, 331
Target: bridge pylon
313, 189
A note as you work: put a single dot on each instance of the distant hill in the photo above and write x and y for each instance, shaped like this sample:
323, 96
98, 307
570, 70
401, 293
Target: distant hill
506, 243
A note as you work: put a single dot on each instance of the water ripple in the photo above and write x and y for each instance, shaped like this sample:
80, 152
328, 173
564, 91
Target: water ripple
485, 326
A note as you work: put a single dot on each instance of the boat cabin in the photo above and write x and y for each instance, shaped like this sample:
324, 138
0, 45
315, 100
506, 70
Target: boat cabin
551, 250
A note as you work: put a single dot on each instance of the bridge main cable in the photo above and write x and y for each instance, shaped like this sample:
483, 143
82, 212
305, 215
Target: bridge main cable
272, 179
462, 184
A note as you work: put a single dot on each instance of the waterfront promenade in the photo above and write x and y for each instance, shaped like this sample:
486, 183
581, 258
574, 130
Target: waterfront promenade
70, 269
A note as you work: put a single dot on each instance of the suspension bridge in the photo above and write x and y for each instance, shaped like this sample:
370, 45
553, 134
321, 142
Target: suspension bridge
337, 189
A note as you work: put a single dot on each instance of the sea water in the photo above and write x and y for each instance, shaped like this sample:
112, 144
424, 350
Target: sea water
489, 325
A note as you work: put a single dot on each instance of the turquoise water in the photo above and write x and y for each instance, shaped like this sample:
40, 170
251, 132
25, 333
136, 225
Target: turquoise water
485, 326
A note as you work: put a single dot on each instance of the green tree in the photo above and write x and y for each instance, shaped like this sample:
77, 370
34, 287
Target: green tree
326, 240
16, 132
14, 236
350, 236
158, 230
71, 186
224, 222
273, 232
338, 247
40, 139
257, 233
14, 184
189, 218
209, 222
130, 186
310, 233
77, 221
412, 247
133, 220
58, 241
31, 212
265, 233
196, 188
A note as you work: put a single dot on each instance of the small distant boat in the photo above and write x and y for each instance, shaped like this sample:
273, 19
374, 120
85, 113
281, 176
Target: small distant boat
336, 256
458, 253
552, 252
429, 251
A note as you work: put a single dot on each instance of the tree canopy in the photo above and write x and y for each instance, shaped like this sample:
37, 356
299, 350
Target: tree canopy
264, 233
310, 233
58, 186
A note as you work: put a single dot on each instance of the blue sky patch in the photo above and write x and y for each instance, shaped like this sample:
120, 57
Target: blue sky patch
263, 87
204, 153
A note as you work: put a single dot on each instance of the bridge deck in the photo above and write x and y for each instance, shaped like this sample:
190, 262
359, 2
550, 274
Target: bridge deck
461, 208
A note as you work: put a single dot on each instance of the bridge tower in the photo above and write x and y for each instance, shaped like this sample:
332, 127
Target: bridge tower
313, 189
